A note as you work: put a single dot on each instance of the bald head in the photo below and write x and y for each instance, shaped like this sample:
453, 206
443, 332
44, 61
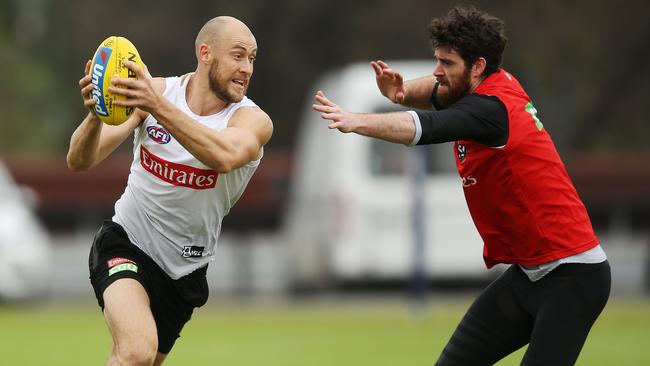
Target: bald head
221, 28
225, 53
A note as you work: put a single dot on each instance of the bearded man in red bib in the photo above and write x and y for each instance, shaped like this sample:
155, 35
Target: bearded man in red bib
519, 194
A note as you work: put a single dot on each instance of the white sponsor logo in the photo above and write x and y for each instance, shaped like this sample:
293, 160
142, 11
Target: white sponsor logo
177, 174
469, 181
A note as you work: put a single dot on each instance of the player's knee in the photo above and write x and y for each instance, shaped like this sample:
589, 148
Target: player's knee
137, 357
138, 353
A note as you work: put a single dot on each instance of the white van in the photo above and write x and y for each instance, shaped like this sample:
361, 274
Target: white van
24, 245
350, 213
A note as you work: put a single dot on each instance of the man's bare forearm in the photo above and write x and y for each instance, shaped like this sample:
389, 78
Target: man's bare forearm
397, 127
84, 143
418, 92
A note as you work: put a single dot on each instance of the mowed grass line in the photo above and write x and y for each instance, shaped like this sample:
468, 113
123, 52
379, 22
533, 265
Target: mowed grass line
333, 333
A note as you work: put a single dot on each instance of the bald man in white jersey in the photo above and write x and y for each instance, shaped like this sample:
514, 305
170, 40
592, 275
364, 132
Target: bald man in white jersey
198, 140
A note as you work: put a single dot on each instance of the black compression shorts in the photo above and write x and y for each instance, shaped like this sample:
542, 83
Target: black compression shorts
113, 257
553, 316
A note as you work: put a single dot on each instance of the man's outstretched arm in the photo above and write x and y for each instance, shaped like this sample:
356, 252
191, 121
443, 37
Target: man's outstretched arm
397, 127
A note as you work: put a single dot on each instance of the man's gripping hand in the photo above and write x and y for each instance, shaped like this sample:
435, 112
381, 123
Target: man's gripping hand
86, 86
140, 92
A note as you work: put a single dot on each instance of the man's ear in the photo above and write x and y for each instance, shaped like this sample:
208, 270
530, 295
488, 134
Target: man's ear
479, 67
204, 53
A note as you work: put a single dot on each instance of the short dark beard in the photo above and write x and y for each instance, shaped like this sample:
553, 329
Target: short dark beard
221, 91
456, 93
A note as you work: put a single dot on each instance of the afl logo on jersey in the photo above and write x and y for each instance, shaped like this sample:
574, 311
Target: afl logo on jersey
159, 134
461, 150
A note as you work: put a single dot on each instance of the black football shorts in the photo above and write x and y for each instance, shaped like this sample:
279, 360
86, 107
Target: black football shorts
113, 257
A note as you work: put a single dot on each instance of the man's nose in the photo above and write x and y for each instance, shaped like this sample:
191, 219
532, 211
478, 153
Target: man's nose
246, 66
438, 70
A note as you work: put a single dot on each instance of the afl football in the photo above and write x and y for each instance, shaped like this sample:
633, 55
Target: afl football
107, 64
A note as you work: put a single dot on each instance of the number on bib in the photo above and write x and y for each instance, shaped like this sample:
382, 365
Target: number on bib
530, 108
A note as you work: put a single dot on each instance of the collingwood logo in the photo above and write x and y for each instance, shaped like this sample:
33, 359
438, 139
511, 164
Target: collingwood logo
191, 251
461, 150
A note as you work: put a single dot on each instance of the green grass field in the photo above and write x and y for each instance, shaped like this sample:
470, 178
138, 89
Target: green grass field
368, 332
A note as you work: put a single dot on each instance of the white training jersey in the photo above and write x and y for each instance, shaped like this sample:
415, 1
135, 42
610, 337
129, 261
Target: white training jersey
173, 204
